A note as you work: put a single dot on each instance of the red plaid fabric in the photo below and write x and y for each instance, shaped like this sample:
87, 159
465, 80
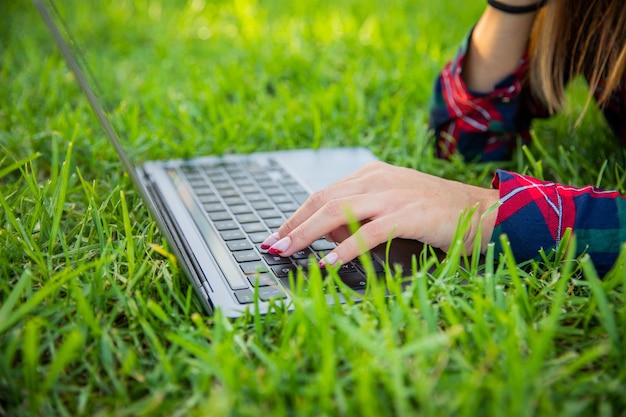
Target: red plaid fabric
470, 115
534, 214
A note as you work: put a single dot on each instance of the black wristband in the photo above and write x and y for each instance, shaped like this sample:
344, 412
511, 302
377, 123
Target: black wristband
516, 9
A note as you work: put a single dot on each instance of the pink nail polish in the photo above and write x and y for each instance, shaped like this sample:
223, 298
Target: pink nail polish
271, 239
280, 246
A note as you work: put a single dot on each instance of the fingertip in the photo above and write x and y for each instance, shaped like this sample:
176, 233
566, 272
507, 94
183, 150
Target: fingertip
270, 240
281, 246
331, 258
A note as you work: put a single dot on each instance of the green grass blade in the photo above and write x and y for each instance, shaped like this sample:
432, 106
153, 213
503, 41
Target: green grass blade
16, 164
68, 352
604, 310
10, 314
58, 203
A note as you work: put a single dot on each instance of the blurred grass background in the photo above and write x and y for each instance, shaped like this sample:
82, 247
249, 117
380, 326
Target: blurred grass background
96, 319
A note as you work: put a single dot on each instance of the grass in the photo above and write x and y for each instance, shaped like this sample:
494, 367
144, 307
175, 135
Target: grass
96, 317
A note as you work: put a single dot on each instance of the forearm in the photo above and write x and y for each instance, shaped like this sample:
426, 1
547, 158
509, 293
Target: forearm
498, 42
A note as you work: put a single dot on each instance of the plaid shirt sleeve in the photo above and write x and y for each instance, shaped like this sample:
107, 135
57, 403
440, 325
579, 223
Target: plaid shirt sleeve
484, 127
534, 215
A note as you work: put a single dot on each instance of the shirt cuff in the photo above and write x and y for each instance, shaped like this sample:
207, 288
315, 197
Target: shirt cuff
532, 214
535, 214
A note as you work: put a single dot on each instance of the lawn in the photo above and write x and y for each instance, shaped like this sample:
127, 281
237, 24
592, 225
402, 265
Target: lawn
96, 317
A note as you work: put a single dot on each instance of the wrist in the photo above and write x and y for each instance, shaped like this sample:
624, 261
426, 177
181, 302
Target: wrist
489, 214
517, 7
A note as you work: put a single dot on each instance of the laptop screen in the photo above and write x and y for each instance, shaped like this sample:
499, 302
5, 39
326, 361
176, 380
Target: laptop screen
118, 47
138, 55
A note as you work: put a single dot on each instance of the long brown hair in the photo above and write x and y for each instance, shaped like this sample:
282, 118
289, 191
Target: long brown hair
572, 37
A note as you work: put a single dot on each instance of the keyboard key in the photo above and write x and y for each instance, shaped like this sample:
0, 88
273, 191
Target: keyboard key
219, 215
347, 268
255, 196
232, 234
246, 256
212, 171
378, 267
275, 259
287, 207
282, 271
251, 268
247, 218
236, 173
265, 182
197, 182
254, 228
304, 264
281, 198
273, 189
269, 213
226, 225
208, 198
300, 197
205, 190
244, 182
234, 201
274, 223
237, 245
286, 282
261, 205
271, 291
228, 192
258, 237
189, 170
353, 280
302, 254
263, 280
294, 188
213, 207
255, 168
222, 184
240, 209
244, 296
322, 244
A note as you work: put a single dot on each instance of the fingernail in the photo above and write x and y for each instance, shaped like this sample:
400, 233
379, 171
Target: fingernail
330, 259
280, 246
271, 239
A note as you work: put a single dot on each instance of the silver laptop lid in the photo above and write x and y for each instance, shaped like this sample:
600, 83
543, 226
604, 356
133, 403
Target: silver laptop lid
86, 80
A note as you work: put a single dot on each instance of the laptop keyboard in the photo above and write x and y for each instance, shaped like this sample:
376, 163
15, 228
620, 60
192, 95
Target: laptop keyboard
244, 203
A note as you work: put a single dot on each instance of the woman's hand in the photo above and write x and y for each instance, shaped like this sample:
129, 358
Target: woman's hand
388, 202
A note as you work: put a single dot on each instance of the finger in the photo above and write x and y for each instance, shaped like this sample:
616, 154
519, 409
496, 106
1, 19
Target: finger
339, 234
319, 199
366, 179
367, 237
333, 215
313, 204
343, 232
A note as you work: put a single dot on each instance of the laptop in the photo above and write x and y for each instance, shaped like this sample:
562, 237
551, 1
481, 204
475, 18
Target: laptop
214, 211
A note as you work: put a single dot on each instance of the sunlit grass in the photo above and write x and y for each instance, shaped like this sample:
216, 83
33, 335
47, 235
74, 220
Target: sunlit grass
96, 317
